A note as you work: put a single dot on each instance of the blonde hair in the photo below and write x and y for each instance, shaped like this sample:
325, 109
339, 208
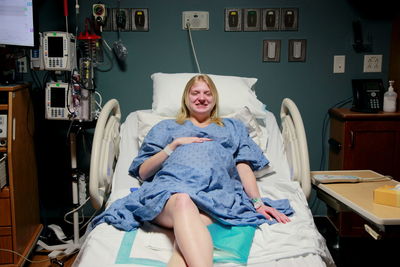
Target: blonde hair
184, 112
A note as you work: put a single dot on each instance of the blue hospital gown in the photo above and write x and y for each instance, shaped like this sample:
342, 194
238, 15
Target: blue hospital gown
206, 171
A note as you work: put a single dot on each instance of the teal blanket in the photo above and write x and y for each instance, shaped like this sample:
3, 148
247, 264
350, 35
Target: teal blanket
231, 244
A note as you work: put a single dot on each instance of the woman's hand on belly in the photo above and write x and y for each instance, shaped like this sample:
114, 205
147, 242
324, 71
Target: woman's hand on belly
187, 140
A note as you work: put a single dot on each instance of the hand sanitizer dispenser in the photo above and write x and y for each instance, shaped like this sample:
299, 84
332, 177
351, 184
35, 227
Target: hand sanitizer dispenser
389, 99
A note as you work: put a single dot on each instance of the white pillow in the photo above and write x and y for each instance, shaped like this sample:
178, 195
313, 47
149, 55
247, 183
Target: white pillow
146, 120
258, 134
254, 130
234, 93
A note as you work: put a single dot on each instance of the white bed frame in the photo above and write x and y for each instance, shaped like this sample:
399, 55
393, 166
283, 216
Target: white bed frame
105, 149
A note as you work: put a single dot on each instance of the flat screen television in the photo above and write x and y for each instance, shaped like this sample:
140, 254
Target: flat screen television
17, 23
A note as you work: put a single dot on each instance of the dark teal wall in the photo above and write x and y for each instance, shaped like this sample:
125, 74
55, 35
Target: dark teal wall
326, 24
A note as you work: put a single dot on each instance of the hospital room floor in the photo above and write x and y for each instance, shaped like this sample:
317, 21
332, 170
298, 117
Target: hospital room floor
354, 252
42, 261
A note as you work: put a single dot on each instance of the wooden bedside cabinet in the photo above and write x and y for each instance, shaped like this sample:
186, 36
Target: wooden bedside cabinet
19, 205
364, 141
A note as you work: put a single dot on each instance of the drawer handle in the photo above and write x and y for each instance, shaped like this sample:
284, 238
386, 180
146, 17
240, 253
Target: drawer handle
13, 130
352, 139
372, 232
334, 145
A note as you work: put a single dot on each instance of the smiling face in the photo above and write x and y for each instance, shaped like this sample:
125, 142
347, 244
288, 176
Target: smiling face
200, 100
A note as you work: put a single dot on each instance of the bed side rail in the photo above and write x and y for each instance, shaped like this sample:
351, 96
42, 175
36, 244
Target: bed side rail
105, 149
295, 142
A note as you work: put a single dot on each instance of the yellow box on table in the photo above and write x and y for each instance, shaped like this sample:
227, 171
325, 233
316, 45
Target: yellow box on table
387, 195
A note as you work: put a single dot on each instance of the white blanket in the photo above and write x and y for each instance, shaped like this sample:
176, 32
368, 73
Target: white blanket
107, 246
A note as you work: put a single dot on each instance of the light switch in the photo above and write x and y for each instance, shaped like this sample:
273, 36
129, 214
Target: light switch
339, 63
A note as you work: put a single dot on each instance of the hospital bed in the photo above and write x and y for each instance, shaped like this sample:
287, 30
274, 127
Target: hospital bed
297, 243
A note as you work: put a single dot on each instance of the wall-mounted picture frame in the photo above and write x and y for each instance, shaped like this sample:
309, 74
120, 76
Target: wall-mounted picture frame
272, 50
270, 19
289, 19
297, 50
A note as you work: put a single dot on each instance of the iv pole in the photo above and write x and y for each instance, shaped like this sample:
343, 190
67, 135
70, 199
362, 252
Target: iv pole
70, 246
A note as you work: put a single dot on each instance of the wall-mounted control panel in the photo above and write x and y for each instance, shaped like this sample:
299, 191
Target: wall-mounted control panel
139, 18
289, 19
251, 19
127, 19
121, 20
196, 20
261, 19
270, 19
233, 20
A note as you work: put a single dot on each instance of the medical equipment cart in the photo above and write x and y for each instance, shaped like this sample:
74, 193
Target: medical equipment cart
19, 205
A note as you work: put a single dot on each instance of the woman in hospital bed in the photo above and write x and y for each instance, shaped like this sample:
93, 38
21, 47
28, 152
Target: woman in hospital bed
197, 169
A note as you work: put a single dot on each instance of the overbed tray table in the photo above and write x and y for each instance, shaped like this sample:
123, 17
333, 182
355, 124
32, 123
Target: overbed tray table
355, 212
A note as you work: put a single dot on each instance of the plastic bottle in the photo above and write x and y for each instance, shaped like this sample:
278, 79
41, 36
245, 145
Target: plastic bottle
389, 99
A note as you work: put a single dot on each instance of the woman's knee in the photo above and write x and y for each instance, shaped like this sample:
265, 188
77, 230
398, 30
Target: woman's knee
183, 202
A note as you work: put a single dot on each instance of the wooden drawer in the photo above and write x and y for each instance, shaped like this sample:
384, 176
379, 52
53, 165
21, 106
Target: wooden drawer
5, 211
6, 243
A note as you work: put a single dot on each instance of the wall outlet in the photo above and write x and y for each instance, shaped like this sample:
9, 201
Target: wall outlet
198, 20
373, 63
22, 65
339, 63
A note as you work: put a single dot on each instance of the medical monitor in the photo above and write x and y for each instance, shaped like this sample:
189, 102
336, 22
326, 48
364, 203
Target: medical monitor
59, 50
57, 101
63, 102
17, 23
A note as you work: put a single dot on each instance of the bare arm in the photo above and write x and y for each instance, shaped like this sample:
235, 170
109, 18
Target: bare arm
250, 186
151, 165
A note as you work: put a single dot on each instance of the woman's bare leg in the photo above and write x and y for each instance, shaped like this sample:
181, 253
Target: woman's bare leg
177, 259
191, 234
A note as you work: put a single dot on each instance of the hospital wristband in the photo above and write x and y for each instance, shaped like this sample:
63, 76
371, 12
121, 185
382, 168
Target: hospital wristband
168, 150
257, 203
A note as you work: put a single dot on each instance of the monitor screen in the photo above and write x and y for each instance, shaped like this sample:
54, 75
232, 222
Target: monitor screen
16, 23
57, 97
55, 46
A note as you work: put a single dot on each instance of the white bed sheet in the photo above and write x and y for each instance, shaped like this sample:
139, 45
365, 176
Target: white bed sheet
297, 243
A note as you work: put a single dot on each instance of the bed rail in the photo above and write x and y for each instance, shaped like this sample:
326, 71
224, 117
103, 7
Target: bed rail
105, 151
295, 141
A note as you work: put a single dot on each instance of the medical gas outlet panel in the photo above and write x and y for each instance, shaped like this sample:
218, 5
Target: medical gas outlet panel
59, 51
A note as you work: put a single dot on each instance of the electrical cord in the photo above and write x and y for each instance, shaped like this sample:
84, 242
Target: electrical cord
193, 49
110, 58
74, 210
22, 256
323, 137
324, 128
99, 105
